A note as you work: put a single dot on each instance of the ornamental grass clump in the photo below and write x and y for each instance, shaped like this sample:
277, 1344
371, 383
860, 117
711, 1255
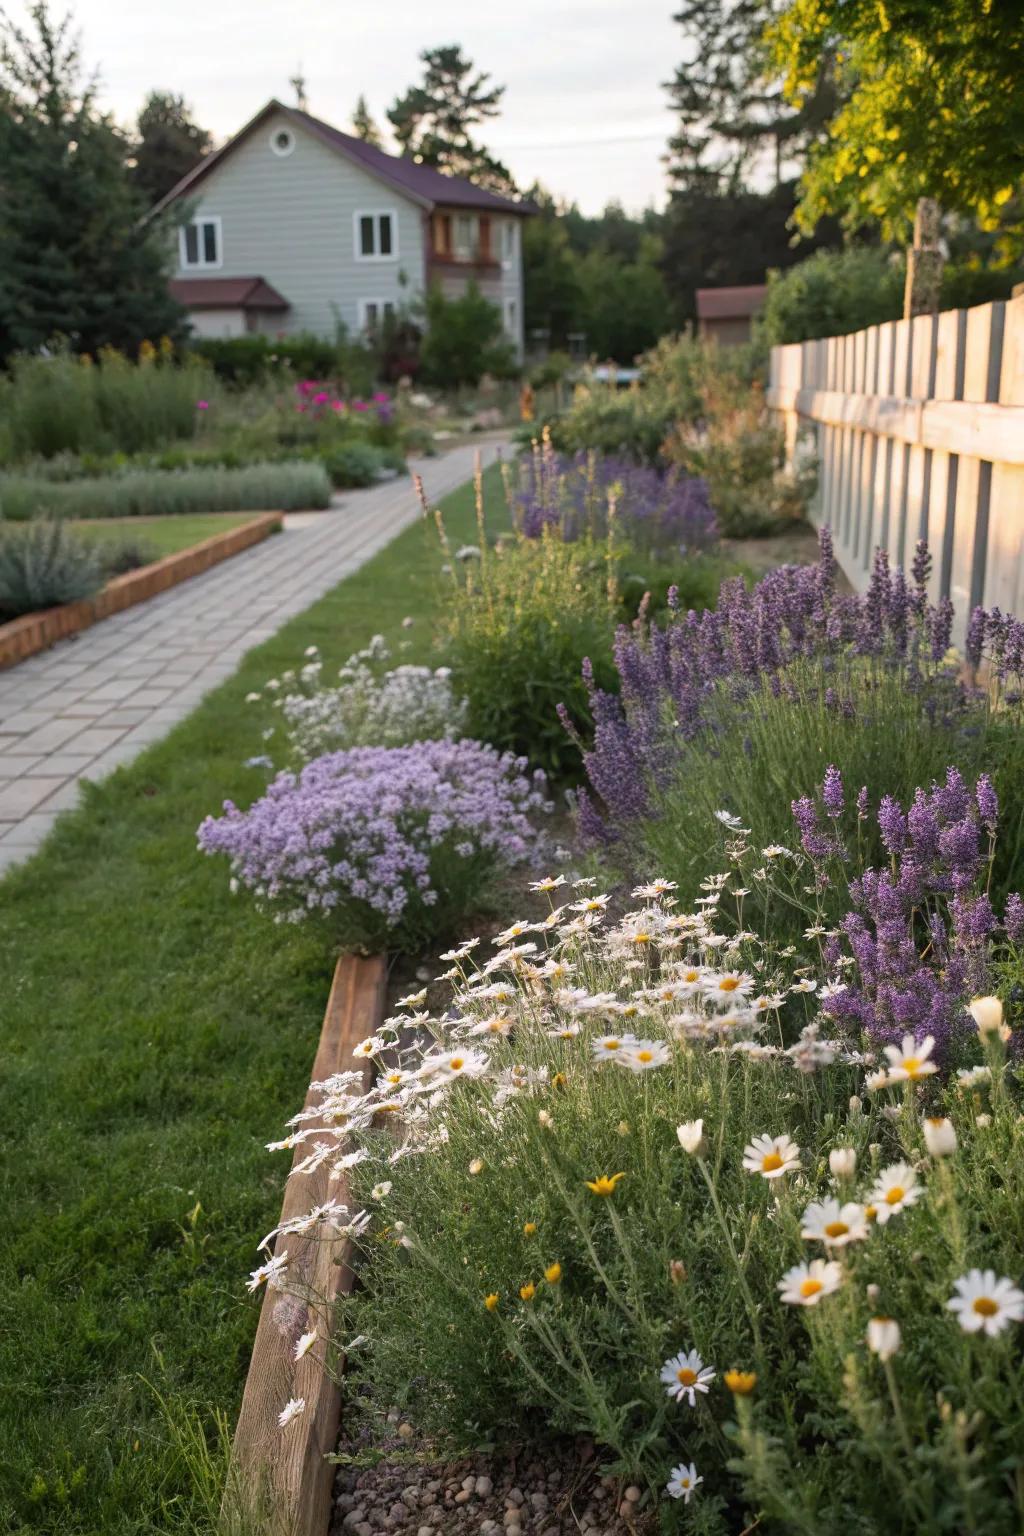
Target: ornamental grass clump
369, 705
385, 847
635, 1183
743, 707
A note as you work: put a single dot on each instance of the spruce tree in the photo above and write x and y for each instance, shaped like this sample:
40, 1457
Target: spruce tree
168, 144
433, 121
363, 125
76, 260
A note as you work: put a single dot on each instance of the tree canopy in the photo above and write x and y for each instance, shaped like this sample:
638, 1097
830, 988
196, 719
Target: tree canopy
934, 106
75, 259
363, 125
433, 121
168, 144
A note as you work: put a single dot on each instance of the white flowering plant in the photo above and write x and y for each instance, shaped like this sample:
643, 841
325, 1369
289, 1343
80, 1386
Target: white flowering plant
634, 1183
369, 703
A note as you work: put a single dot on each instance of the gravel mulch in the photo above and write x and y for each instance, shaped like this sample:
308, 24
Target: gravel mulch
398, 1480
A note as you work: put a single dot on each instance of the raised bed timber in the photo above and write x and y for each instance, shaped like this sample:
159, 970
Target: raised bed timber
280, 1481
36, 631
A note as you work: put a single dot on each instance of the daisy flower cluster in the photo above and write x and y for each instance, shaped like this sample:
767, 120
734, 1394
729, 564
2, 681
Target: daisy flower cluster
547, 1094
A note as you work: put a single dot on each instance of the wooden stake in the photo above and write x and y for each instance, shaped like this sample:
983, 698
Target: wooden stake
280, 1483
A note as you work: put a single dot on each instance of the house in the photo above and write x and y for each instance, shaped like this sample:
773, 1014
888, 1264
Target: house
295, 226
726, 314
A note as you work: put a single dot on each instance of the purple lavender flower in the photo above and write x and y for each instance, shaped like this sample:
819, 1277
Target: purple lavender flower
1013, 918
832, 792
660, 511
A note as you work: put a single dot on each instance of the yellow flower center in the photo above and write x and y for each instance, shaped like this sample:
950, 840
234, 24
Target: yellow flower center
985, 1306
641, 938
895, 1195
611, 1045
529, 1228
810, 1287
728, 984
770, 1162
456, 1063
686, 1376
645, 1055
691, 976
836, 1229
870, 1213
911, 1065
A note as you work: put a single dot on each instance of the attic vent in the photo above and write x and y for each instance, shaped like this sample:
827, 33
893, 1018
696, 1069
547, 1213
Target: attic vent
282, 141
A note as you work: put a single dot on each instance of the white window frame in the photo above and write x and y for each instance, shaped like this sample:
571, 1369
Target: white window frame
364, 304
202, 265
275, 148
376, 214
470, 250
508, 243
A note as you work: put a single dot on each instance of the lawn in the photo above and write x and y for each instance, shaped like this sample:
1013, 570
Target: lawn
155, 1033
160, 536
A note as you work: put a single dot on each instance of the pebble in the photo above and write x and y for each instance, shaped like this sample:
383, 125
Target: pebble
484, 1487
463, 1496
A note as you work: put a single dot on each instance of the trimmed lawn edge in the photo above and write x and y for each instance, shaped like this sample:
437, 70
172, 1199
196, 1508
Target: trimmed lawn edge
281, 1479
35, 632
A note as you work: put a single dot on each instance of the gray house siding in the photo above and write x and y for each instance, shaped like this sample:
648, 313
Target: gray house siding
291, 219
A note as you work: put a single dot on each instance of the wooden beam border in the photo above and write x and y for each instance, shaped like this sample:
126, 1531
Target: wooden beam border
280, 1482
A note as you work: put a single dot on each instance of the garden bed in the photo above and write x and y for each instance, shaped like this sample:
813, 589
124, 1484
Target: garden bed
35, 632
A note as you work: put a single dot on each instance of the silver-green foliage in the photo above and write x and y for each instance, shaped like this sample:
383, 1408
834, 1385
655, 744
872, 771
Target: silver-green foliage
45, 564
285, 487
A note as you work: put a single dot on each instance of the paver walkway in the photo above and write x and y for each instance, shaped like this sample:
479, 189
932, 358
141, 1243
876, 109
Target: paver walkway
89, 704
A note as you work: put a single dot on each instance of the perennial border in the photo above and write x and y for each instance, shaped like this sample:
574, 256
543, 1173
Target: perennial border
35, 632
280, 1479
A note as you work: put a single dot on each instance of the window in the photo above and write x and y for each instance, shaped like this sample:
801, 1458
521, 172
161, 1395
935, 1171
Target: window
282, 141
373, 311
376, 236
464, 237
511, 318
508, 240
199, 243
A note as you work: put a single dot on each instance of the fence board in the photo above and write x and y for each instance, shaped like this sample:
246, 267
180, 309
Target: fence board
920, 433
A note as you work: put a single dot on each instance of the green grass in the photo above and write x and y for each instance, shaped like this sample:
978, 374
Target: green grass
162, 535
154, 1033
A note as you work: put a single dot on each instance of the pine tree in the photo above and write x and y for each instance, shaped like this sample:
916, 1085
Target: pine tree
363, 125
433, 121
168, 144
75, 259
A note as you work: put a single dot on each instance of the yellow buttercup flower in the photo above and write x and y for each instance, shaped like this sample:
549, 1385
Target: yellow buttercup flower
553, 1274
529, 1228
603, 1185
528, 1291
741, 1383
491, 1302
559, 1080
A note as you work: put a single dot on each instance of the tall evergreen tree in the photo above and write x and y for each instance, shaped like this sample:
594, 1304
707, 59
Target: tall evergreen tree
433, 121
168, 144
363, 125
75, 259
733, 116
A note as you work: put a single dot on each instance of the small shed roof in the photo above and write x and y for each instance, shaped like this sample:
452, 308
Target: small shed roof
730, 303
226, 293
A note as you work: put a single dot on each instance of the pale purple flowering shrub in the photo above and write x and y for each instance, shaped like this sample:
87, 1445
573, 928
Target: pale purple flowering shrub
390, 846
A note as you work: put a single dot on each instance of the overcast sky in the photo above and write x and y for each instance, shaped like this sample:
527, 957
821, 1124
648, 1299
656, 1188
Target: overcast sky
584, 110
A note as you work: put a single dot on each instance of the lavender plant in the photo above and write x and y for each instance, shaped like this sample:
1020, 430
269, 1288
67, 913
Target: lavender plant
659, 512
742, 707
387, 847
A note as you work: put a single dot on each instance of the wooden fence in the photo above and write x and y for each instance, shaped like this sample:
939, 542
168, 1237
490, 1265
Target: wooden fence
918, 427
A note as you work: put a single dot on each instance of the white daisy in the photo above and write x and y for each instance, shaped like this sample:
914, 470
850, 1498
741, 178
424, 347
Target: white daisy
268, 1272
453, 1064
305, 1344
413, 999
883, 1337
835, 1225
642, 1055
549, 883
895, 1188
291, 1410
381, 1191
685, 1375
771, 1156
606, 1047
910, 1060
985, 1304
805, 1284
682, 1482
728, 986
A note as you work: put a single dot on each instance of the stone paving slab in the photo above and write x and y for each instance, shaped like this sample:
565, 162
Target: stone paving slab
94, 701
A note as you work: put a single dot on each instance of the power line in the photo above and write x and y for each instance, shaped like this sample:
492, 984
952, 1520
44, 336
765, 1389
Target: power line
618, 138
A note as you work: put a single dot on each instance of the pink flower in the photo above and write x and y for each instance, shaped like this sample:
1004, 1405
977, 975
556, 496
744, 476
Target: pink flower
321, 397
380, 398
359, 405
202, 405
337, 405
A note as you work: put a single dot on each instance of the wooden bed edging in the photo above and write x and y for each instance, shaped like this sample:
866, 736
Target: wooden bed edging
280, 1484
36, 631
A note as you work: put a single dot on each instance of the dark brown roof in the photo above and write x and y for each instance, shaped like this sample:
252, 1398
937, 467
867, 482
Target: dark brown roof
226, 293
422, 183
730, 303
